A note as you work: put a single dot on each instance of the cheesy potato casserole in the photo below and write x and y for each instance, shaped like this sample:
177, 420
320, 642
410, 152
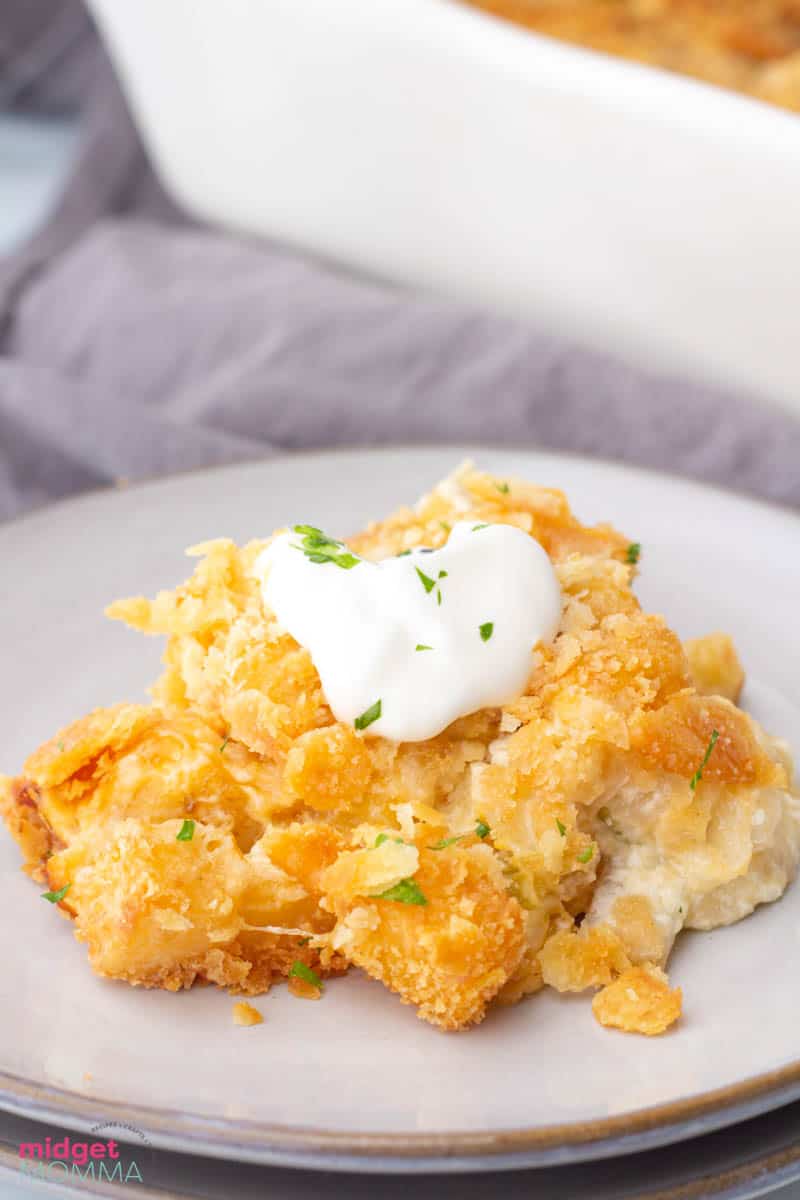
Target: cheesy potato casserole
236, 832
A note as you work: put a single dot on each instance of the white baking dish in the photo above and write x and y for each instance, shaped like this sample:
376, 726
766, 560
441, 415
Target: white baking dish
427, 143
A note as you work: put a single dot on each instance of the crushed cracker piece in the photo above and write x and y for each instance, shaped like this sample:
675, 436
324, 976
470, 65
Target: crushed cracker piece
640, 1001
244, 1014
303, 990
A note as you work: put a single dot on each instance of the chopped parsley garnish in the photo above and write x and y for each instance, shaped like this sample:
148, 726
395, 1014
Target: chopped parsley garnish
481, 830
303, 941
405, 892
426, 581
561, 827
486, 630
402, 553
502, 487
55, 897
475, 528
299, 970
384, 837
61, 747
420, 646
225, 741
429, 584
633, 552
698, 775
446, 526
368, 716
586, 855
319, 548
186, 831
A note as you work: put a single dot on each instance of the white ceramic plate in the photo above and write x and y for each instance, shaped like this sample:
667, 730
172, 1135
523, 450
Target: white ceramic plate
356, 1081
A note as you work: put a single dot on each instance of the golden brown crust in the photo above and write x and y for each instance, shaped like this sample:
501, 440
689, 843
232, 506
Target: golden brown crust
19, 807
448, 956
675, 737
752, 46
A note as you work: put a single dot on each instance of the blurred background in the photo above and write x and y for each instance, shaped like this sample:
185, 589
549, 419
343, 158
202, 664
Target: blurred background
231, 231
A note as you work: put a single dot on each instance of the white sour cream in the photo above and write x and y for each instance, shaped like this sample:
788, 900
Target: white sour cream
479, 605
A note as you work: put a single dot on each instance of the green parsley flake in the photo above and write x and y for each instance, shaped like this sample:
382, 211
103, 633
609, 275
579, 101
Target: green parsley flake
426, 581
698, 775
225, 741
561, 827
420, 646
446, 526
404, 892
586, 855
443, 843
319, 548
186, 831
56, 897
384, 837
402, 553
61, 747
368, 716
482, 830
486, 630
299, 970
303, 941
633, 552
502, 487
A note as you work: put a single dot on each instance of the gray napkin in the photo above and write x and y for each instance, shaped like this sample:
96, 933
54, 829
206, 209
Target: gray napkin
133, 342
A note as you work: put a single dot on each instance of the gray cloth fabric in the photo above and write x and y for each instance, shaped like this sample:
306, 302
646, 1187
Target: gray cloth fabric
133, 342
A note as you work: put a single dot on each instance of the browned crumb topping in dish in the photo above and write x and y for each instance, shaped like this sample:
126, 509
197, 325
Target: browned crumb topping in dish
750, 46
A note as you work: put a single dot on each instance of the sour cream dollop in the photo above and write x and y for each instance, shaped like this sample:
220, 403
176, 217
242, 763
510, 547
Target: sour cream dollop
405, 646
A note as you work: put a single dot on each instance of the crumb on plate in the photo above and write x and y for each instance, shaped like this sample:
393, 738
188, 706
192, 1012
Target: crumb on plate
245, 1014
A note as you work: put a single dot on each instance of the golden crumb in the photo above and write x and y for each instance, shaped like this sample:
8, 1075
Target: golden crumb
715, 666
304, 989
640, 1001
573, 961
245, 1014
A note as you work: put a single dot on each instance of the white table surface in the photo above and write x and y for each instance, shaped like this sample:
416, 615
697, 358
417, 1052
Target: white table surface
35, 156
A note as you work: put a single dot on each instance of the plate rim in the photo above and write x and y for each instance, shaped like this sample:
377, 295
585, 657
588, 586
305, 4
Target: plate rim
503, 1149
122, 486
645, 1128
778, 1166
